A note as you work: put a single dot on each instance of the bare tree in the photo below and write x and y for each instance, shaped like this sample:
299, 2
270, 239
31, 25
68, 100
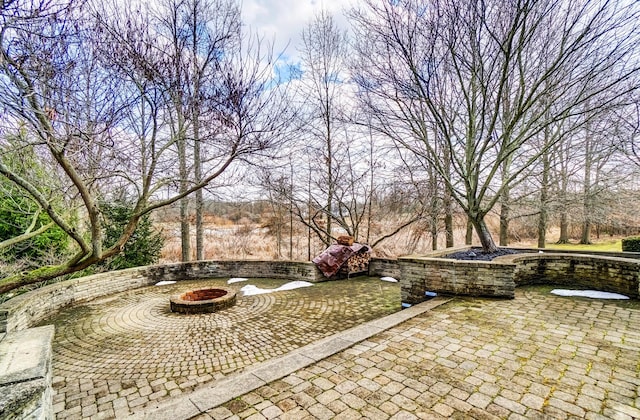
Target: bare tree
104, 118
480, 77
323, 54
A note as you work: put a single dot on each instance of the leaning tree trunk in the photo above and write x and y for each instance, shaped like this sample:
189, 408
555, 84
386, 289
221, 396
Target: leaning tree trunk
486, 240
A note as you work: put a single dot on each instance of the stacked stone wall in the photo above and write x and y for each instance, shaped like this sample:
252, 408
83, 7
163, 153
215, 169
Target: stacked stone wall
447, 276
498, 278
298, 270
34, 307
609, 274
384, 267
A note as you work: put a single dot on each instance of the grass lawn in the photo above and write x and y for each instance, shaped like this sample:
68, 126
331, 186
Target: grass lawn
610, 246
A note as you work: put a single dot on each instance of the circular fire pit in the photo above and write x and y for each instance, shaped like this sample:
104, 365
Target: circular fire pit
201, 301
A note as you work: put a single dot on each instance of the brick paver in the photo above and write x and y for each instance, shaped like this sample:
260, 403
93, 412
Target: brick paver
537, 356
119, 353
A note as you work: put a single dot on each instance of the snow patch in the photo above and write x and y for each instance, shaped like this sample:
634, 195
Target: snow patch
391, 279
595, 294
236, 280
250, 289
164, 282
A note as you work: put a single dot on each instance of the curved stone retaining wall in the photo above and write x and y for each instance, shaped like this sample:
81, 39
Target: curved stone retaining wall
26, 392
608, 274
32, 308
30, 395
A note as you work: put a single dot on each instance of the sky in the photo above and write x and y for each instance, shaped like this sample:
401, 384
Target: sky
282, 21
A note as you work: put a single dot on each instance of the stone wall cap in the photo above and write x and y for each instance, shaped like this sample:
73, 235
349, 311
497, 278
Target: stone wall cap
13, 397
25, 355
564, 256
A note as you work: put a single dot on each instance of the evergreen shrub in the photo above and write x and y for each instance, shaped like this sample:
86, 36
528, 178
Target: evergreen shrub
631, 244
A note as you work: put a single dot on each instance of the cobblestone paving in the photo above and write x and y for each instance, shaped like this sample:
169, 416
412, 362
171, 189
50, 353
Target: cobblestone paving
116, 354
537, 356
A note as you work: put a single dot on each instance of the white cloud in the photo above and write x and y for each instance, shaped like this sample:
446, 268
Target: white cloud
282, 21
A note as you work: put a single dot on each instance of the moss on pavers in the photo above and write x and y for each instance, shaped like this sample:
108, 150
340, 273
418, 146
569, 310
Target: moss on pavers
536, 356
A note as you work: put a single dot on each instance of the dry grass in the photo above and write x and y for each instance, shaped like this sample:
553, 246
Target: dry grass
251, 241
248, 240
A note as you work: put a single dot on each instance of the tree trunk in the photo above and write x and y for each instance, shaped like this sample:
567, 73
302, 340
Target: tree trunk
468, 237
505, 198
544, 193
585, 236
185, 234
434, 210
564, 217
309, 216
448, 203
564, 226
199, 196
488, 245
504, 220
448, 224
434, 233
199, 226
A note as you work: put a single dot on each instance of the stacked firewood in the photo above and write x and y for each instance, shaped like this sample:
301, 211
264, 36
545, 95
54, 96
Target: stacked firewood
358, 262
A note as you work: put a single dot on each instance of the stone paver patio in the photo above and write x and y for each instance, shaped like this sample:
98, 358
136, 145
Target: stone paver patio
537, 356
118, 353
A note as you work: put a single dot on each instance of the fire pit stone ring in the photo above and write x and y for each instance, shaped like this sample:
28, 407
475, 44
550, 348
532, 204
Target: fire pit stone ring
201, 301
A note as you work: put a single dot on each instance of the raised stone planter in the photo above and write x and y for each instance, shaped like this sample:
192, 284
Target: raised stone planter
608, 274
419, 275
498, 278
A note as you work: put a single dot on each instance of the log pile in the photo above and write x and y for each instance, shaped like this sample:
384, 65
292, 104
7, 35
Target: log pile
341, 260
357, 263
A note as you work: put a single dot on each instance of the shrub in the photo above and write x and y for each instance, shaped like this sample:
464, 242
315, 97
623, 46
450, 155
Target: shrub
17, 213
142, 248
631, 244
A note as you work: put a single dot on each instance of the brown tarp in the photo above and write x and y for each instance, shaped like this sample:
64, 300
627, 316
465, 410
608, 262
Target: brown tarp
332, 258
